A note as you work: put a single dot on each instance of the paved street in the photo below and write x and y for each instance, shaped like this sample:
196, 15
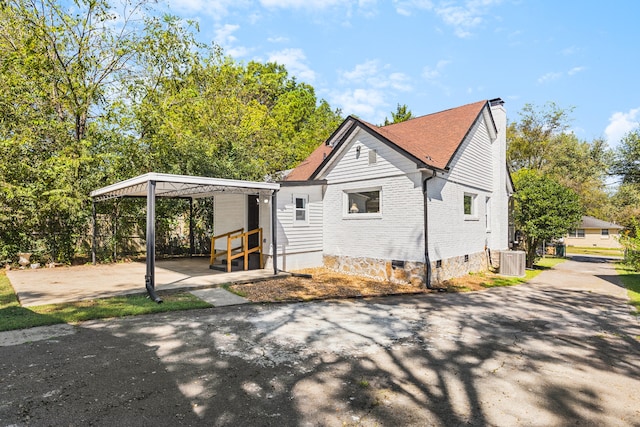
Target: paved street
562, 350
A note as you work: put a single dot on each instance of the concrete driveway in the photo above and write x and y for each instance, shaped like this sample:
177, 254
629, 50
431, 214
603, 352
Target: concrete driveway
563, 350
83, 282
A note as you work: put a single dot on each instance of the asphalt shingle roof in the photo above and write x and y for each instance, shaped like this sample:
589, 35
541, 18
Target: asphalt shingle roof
431, 140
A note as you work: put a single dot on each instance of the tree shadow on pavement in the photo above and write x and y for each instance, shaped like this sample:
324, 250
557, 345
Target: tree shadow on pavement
506, 356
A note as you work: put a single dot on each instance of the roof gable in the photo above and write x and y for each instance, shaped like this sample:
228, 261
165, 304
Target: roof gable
431, 141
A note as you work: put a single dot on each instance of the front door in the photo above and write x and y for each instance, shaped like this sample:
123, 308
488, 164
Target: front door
253, 219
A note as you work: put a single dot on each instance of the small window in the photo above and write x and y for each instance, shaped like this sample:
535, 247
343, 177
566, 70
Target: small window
605, 232
469, 204
301, 210
577, 233
373, 157
362, 202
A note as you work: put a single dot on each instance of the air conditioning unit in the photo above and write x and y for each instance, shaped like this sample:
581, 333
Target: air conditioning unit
512, 263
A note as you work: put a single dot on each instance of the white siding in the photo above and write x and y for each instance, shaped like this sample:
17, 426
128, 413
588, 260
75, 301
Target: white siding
299, 246
450, 233
397, 233
473, 164
353, 166
229, 213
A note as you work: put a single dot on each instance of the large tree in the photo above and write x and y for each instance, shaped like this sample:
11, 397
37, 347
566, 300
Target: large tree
90, 95
627, 162
60, 68
543, 209
541, 141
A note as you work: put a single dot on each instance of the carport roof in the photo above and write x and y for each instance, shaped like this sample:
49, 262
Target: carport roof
168, 185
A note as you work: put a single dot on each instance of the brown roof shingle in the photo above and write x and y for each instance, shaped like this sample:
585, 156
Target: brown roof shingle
432, 139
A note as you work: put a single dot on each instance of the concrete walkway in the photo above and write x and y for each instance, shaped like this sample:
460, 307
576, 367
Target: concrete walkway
65, 284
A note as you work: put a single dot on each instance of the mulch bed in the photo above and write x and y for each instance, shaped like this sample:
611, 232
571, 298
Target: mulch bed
324, 284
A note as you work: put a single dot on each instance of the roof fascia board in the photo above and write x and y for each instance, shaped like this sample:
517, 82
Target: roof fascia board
126, 187
491, 124
337, 145
302, 183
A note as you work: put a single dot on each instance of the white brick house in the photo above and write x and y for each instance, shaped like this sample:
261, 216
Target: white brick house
370, 199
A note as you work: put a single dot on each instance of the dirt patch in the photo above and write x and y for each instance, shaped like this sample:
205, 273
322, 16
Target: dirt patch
324, 284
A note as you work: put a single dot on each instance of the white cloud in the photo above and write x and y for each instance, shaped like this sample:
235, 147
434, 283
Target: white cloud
361, 102
466, 17
294, 60
432, 73
303, 4
214, 8
575, 70
571, 50
371, 73
620, 124
224, 37
406, 7
400, 81
279, 39
549, 77
362, 71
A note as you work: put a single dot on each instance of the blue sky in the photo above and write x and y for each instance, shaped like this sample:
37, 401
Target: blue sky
366, 56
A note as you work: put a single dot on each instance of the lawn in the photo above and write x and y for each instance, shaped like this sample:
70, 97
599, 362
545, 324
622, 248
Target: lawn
14, 316
588, 250
631, 280
480, 281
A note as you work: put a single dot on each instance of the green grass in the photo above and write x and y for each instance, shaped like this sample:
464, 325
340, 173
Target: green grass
631, 280
540, 266
13, 316
587, 250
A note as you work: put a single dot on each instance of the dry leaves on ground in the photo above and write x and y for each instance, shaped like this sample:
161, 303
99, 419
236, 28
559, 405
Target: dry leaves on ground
323, 284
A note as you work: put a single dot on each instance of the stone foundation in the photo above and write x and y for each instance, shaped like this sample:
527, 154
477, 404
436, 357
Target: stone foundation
410, 271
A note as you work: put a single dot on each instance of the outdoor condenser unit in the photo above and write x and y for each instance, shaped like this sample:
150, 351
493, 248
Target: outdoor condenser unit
512, 263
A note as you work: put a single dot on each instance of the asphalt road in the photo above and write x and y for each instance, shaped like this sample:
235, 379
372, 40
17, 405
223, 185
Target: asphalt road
562, 350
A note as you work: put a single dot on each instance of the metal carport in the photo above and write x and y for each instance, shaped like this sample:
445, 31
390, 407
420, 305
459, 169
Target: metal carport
152, 185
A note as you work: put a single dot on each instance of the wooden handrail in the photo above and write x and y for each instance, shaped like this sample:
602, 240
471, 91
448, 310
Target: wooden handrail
245, 244
244, 247
215, 254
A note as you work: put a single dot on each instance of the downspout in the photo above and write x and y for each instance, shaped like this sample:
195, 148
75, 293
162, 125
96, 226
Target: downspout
427, 260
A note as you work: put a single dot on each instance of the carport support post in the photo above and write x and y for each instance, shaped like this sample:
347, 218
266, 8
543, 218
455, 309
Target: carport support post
150, 277
94, 231
274, 231
191, 237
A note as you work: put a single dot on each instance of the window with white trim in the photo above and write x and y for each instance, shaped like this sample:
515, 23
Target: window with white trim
605, 233
360, 203
300, 209
469, 206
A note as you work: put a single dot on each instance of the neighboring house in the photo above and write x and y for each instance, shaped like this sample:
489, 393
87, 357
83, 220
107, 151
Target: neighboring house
594, 232
385, 201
